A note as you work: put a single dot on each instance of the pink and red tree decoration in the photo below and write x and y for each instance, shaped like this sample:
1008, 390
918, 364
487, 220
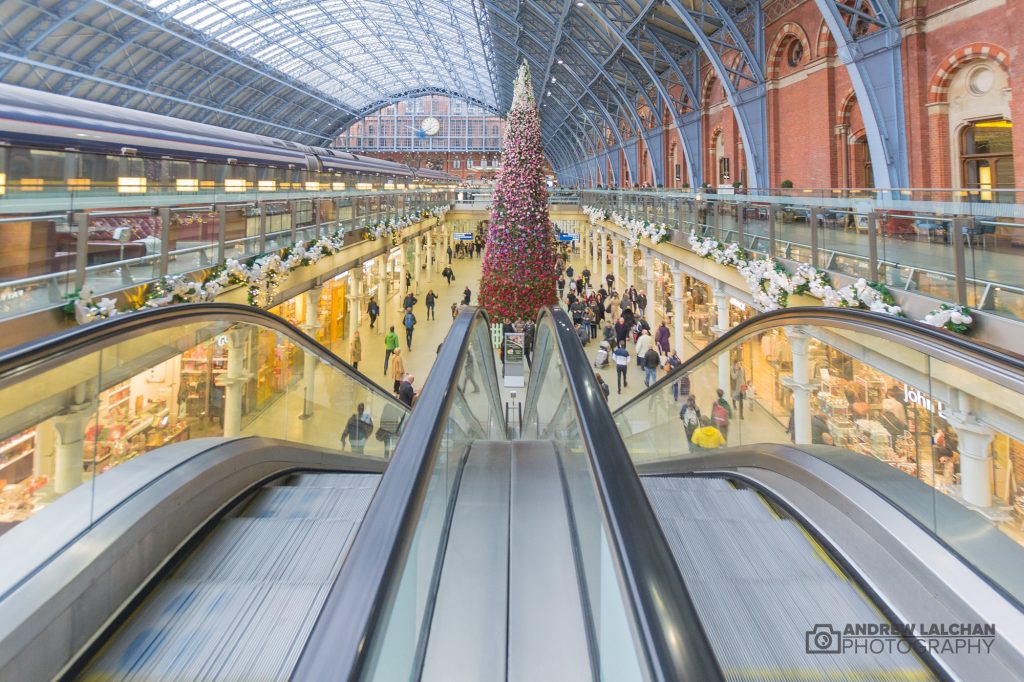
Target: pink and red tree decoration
519, 264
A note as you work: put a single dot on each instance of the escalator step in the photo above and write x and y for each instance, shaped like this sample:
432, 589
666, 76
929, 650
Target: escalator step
270, 549
305, 502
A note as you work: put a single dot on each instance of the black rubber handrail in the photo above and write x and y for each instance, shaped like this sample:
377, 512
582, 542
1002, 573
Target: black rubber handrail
32, 358
342, 640
999, 365
673, 639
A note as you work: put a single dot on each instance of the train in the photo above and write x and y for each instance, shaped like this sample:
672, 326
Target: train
48, 139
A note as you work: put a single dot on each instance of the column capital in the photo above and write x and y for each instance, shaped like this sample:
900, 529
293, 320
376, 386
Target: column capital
966, 423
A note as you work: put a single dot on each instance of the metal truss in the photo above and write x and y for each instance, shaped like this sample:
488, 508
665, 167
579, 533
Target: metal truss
868, 40
618, 71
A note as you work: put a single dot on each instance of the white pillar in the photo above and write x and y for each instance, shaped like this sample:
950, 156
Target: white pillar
234, 378
69, 448
382, 295
722, 307
800, 385
419, 264
975, 454
606, 242
595, 246
311, 323
629, 267
431, 256
616, 257
649, 271
678, 311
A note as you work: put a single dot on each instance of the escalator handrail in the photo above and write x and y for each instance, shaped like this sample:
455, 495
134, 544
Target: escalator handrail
673, 638
356, 608
37, 356
998, 365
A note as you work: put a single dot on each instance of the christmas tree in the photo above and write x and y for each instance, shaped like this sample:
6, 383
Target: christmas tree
519, 265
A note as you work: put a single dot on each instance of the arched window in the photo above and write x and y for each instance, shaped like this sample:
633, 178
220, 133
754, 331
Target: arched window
986, 156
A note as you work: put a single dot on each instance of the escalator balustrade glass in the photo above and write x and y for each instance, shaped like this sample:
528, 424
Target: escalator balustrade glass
82, 403
932, 422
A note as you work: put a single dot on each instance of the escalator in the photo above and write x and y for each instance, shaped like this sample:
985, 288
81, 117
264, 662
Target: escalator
788, 546
443, 550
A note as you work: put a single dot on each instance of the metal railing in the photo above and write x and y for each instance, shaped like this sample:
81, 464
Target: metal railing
953, 248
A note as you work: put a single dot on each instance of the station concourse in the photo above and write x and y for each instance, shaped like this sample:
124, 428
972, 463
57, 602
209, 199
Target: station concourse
724, 378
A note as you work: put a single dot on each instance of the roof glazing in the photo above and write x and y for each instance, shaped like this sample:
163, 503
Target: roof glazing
361, 52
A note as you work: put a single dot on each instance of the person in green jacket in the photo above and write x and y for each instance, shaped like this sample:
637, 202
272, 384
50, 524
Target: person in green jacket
390, 344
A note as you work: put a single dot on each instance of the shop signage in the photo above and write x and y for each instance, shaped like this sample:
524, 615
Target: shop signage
924, 401
463, 236
568, 237
514, 375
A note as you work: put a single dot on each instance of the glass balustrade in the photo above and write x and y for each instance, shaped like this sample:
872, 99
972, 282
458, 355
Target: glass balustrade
956, 246
936, 431
68, 418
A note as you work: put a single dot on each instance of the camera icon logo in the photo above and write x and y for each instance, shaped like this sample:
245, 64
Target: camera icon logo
823, 639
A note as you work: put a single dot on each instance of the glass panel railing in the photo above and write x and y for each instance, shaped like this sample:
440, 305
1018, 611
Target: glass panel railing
932, 421
642, 621
472, 412
385, 586
957, 246
77, 405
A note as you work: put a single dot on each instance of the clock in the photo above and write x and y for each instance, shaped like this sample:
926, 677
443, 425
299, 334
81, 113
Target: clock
431, 126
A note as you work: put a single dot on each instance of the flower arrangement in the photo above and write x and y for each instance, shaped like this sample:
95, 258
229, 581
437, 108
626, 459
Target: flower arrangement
955, 318
518, 274
262, 275
658, 233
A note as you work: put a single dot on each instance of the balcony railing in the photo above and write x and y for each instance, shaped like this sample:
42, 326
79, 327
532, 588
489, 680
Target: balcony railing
956, 246
58, 241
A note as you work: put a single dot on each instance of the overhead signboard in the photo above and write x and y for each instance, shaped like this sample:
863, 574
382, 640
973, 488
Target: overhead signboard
567, 237
463, 236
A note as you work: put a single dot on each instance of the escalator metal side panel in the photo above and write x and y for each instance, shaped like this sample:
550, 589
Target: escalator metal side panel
546, 624
468, 633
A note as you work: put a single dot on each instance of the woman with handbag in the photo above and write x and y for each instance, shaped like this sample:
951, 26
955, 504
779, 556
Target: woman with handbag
738, 384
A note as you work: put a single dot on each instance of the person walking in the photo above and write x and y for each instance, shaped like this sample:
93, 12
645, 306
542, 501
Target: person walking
621, 357
610, 280
455, 310
409, 301
641, 303
373, 310
390, 346
431, 302
355, 350
662, 337
586, 276
448, 274
605, 391
358, 429
684, 387
405, 390
397, 369
738, 385
691, 417
449, 254
643, 344
707, 437
652, 360
409, 322
721, 413
466, 295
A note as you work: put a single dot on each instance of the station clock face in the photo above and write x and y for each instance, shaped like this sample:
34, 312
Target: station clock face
431, 126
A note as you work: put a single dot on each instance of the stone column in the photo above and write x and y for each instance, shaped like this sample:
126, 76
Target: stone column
628, 252
382, 294
431, 256
418, 266
800, 384
678, 311
649, 272
606, 242
234, 379
617, 244
595, 247
310, 325
722, 326
69, 446
975, 454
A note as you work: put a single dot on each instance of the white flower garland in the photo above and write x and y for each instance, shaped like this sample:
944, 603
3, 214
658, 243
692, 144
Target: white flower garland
262, 275
770, 283
658, 233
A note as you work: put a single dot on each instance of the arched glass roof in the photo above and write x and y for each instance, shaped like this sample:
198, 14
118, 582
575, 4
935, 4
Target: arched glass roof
361, 52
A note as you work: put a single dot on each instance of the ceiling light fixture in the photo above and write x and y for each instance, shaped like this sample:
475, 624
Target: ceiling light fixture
560, 61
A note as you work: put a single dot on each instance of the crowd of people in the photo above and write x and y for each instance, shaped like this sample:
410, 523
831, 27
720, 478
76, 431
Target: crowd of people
618, 323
